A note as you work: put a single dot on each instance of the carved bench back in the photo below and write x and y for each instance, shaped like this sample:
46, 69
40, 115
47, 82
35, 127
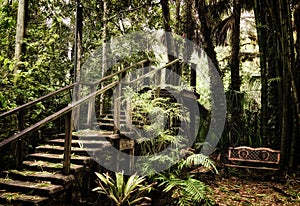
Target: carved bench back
248, 154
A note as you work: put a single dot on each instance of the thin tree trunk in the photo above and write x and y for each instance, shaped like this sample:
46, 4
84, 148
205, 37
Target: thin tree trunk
284, 53
77, 60
189, 30
206, 33
235, 84
295, 112
297, 28
104, 60
20, 32
297, 71
170, 78
19, 51
235, 52
259, 10
178, 20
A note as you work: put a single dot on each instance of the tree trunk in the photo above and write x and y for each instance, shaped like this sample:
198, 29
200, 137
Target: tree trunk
295, 111
259, 10
189, 30
235, 84
20, 32
235, 51
19, 51
285, 53
297, 28
77, 60
205, 29
178, 20
297, 72
104, 60
170, 77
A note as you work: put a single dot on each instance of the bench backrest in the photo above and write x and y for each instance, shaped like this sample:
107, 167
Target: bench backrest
248, 154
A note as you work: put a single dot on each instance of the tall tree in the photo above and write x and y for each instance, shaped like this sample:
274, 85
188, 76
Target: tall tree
235, 83
279, 86
260, 19
297, 70
206, 32
20, 31
170, 78
297, 45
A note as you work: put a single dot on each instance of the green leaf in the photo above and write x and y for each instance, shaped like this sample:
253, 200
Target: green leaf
120, 183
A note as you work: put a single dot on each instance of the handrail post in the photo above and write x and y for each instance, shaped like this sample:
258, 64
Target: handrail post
20, 142
128, 113
91, 108
76, 111
68, 143
117, 109
146, 69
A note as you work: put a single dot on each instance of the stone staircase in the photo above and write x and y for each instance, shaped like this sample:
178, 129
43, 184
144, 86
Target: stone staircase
41, 181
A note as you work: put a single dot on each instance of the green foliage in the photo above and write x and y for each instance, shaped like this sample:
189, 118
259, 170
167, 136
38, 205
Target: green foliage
197, 160
120, 192
183, 187
177, 181
187, 191
157, 117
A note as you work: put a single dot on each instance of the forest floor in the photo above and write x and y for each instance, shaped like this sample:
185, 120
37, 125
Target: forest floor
245, 187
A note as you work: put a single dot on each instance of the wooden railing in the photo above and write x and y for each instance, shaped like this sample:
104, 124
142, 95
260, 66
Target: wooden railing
68, 110
22, 131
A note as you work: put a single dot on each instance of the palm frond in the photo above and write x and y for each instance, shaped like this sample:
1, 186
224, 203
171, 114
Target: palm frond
218, 8
195, 189
200, 159
222, 30
188, 191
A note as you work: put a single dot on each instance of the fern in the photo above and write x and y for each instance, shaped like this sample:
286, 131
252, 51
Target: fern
188, 191
199, 159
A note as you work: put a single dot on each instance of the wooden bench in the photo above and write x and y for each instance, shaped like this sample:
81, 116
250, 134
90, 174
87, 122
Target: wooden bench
253, 158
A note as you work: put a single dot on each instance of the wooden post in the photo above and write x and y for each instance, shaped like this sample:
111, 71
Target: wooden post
77, 59
20, 143
117, 105
193, 74
68, 143
117, 109
91, 108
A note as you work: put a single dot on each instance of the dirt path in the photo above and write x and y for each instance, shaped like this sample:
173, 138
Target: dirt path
246, 190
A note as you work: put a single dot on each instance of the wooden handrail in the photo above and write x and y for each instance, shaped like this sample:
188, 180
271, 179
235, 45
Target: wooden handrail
155, 70
54, 116
24, 106
123, 70
67, 112
114, 74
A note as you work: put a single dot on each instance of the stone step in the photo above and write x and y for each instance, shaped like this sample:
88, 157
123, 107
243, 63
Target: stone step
34, 188
88, 141
95, 135
74, 150
27, 175
110, 115
110, 120
17, 198
50, 166
105, 120
105, 126
87, 133
75, 159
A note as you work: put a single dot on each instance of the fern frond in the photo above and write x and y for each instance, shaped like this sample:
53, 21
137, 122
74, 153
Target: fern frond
200, 159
